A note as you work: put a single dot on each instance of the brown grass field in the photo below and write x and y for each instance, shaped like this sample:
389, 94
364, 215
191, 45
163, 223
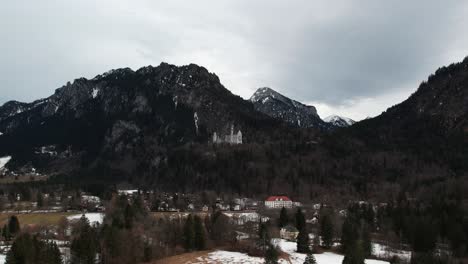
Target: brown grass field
35, 218
183, 258
22, 178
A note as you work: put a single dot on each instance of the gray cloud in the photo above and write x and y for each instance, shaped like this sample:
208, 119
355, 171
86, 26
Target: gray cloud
350, 57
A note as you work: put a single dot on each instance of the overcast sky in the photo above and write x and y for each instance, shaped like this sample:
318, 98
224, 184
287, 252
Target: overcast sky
353, 58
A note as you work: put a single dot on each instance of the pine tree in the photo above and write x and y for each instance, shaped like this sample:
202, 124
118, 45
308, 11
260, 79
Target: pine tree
310, 259
271, 255
21, 251
200, 237
189, 234
316, 243
283, 219
262, 231
300, 219
354, 255
349, 234
303, 241
40, 200
6, 233
32, 250
370, 215
366, 241
55, 257
84, 246
147, 253
129, 215
263, 236
13, 225
48, 252
326, 231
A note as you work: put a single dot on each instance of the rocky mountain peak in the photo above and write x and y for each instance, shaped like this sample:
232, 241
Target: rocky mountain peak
339, 121
11, 108
265, 94
276, 105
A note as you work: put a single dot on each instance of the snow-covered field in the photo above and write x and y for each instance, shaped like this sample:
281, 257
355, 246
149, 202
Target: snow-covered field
383, 251
221, 256
324, 258
93, 218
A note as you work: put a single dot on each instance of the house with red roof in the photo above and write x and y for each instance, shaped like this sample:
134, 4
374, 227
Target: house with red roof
278, 202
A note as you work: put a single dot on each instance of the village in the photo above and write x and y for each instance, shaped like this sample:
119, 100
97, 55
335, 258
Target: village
54, 215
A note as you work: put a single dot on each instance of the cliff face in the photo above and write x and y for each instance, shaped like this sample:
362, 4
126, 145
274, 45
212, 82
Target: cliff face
278, 106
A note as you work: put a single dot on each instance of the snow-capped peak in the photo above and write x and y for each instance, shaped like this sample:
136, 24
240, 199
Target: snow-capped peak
276, 105
264, 94
339, 121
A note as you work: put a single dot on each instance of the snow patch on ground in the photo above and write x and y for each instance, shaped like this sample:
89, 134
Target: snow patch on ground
2, 259
324, 258
383, 251
221, 256
93, 218
4, 161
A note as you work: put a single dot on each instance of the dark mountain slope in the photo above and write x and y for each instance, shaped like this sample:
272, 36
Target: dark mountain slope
433, 121
418, 146
441, 100
140, 126
126, 119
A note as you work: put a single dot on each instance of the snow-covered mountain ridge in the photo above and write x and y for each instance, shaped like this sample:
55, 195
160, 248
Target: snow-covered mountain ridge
276, 105
339, 121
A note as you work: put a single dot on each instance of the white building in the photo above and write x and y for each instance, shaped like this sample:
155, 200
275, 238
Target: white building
278, 202
232, 138
127, 192
88, 199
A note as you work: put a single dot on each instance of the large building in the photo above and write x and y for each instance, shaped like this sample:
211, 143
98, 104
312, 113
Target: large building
278, 202
289, 232
232, 138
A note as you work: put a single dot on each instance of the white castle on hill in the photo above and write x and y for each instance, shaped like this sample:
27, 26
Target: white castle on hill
231, 138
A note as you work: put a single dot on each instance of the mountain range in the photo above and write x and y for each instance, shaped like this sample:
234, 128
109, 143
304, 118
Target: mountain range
156, 127
278, 106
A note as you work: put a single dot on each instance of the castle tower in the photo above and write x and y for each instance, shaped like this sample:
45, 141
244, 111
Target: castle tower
239, 137
231, 139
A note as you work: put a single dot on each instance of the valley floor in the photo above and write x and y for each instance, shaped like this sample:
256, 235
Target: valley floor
228, 257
